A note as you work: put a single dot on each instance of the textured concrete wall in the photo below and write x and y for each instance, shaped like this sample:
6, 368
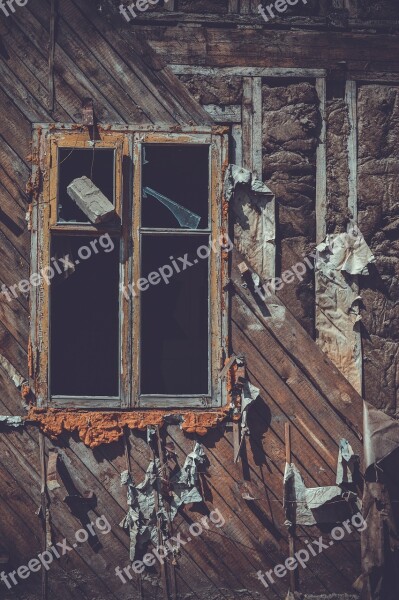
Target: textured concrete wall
214, 90
337, 165
378, 114
290, 131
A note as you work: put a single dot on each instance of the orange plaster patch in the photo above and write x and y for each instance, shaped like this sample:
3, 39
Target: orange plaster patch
96, 428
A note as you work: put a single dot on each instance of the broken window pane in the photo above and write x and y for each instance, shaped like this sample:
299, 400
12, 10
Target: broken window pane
180, 174
84, 298
97, 165
175, 316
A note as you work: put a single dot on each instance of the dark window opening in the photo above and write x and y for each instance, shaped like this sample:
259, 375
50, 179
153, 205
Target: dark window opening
175, 317
97, 164
180, 174
84, 317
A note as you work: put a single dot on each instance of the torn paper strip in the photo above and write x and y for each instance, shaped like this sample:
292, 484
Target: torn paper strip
254, 228
185, 484
11, 421
142, 518
347, 460
381, 435
308, 506
249, 395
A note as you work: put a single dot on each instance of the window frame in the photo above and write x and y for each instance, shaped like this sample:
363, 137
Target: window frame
127, 141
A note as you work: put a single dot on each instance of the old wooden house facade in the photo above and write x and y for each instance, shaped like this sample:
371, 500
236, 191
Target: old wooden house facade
212, 413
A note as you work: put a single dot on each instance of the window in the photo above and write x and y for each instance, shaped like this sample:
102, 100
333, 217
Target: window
130, 311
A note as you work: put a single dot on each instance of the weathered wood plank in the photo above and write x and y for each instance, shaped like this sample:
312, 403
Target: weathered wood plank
320, 371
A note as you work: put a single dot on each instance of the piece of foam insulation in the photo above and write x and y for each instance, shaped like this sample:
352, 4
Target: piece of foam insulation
90, 199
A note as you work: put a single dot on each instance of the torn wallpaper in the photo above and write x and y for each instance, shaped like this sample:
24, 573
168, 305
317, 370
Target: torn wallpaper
308, 506
340, 258
142, 518
381, 435
185, 483
254, 229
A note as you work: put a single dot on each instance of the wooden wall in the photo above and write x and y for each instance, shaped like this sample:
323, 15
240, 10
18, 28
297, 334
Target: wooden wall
94, 58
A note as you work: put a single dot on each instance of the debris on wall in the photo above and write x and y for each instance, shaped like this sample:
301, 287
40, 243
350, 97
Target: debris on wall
185, 483
308, 506
254, 232
347, 460
148, 519
11, 421
144, 511
381, 435
340, 258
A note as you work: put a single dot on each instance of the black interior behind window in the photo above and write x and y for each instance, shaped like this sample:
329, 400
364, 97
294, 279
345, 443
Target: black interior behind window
174, 318
84, 348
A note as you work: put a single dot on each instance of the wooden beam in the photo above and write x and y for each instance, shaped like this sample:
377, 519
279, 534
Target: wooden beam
247, 117
247, 71
321, 165
234, 6
236, 134
224, 114
257, 162
252, 159
351, 100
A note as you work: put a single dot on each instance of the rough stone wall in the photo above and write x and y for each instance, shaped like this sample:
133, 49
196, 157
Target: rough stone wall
337, 165
290, 133
378, 116
214, 90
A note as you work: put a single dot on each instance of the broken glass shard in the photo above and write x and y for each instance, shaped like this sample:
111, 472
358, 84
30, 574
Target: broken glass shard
185, 217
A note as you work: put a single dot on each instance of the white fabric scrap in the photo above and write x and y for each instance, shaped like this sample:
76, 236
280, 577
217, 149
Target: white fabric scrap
300, 501
185, 483
11, 421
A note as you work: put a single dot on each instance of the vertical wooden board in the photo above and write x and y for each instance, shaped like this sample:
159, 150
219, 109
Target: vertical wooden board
257, 126
351, 102
321, 165
247, 127
236, 134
